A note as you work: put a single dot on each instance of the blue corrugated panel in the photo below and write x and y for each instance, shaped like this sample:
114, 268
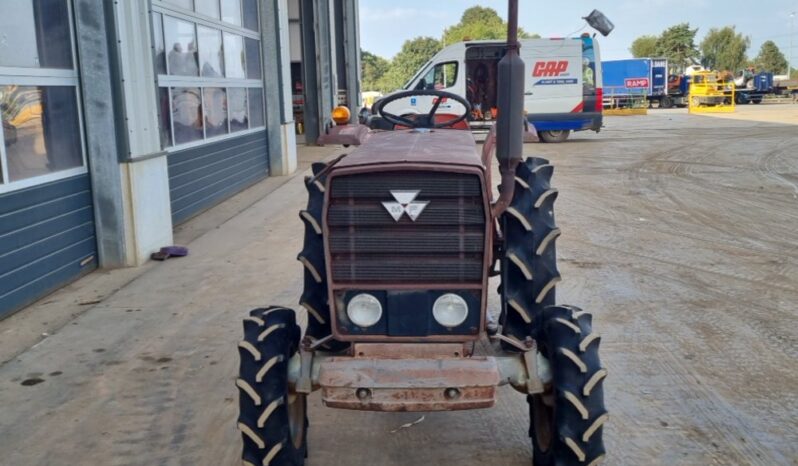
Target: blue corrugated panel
47, 239
201, 177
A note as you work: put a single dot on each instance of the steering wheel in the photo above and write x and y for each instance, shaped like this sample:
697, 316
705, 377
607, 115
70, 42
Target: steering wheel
422, 121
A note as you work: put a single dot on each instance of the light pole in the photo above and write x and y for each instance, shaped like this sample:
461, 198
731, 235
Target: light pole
789, 59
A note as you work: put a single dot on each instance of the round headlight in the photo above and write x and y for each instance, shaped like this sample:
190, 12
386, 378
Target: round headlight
450, 310
364, 310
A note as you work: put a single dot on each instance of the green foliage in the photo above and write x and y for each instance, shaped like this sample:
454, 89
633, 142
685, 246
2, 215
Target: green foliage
374, 68
414, 54
479, 23
644, 47
724, 49
770, 59
677, 44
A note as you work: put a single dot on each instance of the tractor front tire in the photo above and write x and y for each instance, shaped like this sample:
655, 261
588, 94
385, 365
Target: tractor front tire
566, 422
272, 418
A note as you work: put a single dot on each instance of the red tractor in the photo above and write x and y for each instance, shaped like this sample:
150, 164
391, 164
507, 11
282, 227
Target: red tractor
401, 237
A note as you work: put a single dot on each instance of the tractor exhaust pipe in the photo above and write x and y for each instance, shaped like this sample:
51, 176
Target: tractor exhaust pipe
510, 123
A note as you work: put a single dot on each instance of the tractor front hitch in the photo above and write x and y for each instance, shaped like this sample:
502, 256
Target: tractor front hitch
415, 377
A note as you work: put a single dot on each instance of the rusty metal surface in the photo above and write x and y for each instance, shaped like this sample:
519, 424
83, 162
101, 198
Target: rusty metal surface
408, 384
409, 350
408, 400
440, 146
348, 135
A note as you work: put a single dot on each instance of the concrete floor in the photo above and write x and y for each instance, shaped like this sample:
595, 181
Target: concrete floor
679, 233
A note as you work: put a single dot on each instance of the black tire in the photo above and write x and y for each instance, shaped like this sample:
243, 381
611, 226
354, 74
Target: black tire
666, 102
554, 136
566, 423
272, 419
314, 296
529, 263
757, 100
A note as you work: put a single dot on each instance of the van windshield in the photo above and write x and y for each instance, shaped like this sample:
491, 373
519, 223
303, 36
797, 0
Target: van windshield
418, 73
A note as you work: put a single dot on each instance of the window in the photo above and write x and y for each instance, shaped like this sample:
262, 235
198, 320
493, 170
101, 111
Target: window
41, 133
440, 76
208, 62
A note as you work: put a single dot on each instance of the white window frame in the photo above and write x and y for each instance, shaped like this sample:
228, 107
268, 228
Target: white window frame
45, 77
170, 81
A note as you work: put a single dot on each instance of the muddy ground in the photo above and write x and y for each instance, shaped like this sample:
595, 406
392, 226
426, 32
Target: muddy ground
679, 233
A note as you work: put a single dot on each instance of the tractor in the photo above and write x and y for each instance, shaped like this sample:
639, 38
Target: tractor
401, 237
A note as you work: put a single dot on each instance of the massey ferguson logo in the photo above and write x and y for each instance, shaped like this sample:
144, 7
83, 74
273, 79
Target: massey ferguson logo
405, 203
550, 68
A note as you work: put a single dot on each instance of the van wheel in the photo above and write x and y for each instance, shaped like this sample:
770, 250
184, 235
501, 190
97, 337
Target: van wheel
554, 136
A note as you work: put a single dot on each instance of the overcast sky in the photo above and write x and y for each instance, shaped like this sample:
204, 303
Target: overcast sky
386, 24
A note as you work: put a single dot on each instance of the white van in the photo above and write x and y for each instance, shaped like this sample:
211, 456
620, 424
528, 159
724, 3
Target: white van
563, 84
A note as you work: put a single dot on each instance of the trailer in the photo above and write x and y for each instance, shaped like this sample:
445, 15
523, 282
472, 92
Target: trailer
752, 87
634, 82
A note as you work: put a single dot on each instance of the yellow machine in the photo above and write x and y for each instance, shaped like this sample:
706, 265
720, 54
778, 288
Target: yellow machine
709, 93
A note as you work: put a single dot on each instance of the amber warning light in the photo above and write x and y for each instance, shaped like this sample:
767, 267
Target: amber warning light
341, 115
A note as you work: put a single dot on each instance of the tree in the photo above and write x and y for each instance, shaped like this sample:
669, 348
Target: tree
374, 69
677, 44
414, 54
770, 58
724, 49
644, 47
480, 23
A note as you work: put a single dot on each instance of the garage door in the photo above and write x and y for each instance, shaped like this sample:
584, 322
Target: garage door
46, 214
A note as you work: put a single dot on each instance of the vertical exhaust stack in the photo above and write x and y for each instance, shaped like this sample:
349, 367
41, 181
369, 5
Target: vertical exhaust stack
510, 123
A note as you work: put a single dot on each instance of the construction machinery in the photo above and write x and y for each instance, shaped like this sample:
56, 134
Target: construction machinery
401, 238
709, 93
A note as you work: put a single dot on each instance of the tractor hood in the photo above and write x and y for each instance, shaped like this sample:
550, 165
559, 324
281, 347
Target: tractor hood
438, 146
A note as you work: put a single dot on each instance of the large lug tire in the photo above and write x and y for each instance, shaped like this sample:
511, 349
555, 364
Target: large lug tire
272, 419
529, 263
554, 136
315, 293
566, 422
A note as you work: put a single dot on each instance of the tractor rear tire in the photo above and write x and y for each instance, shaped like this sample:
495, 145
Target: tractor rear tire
566, 423
315, 294
529, 265
272, 419
554, 136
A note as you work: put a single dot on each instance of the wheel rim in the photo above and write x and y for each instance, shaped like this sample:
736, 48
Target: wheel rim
297, 406
556, 133
543, 420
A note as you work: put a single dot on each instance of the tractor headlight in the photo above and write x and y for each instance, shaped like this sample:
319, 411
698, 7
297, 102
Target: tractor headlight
450, 310
364, 310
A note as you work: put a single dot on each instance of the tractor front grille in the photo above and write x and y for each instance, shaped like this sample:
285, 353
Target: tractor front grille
445, 244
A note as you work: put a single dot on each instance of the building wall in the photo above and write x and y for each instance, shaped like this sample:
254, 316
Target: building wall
46, 239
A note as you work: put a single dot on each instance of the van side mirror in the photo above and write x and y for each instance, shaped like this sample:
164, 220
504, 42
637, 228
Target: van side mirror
599, 22
422, 85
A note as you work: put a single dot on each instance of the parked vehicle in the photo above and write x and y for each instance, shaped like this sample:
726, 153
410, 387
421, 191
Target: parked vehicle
752, 87
563, 90
401, 237
708, 90
629, 81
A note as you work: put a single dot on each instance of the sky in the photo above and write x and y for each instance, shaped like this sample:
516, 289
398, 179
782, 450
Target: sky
386, 24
